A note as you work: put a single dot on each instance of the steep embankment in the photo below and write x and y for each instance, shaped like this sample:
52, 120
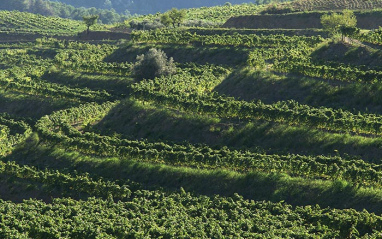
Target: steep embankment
349, 53
365, 20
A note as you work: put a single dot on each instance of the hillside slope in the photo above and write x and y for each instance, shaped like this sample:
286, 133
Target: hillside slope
301, 20
151, 6
22, 22
254, 134
332, 5
59, 9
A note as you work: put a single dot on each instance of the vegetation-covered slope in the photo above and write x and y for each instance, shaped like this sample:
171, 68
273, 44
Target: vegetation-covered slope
312, 5
285, 128
22, 22
111, 11
59, 9
151, 6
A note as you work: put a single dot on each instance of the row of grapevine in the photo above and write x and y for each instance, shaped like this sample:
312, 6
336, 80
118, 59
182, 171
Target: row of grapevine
296, 59
12, 132
38, 24
324, 5
154, 214
247, 40
117, 209
82, 57
216, 14
67, 182
326, 71
289, 54
57, 128
26, 81
337, 120
374, 37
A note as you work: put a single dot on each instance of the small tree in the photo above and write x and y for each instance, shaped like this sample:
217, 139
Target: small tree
333, 22
90, 21
177, 16
153, 64
165, 19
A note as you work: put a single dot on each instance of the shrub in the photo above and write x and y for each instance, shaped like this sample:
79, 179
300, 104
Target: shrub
277, 9
200, 23
177, 16
90, 21
146, 24
165, 19
332, 23
153, 64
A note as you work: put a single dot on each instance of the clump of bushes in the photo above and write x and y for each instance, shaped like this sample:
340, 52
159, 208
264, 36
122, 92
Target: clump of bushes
153, 64
277, 9
200, 23
344, 23
146, 24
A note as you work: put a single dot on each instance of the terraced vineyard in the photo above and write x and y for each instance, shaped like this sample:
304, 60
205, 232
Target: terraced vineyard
327, 5
254, 136
217, 14
22, 22
15, 22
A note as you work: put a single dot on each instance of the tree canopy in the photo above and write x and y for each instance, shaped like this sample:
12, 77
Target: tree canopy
333, 22
90, 21
174, 17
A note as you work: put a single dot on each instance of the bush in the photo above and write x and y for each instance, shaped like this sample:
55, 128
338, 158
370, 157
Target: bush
332, 23
200, 23
153, 64
277, 9
146, 24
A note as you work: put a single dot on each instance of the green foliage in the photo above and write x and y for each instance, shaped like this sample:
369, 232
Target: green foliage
59, 9
66, 182
57, 128
90, 21
153, 64
27, 23
195, 216
165, 19
349, 31
374, 36
180, 36
277, 9
90, 80
333, 22
177, 16
214, 15
12, 132
335, 5
291, 111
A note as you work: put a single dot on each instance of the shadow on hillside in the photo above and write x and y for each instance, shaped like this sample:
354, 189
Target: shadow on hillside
350, 52
256, 186
31, 106
17, 190
115, 85
269, 87
135, 121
